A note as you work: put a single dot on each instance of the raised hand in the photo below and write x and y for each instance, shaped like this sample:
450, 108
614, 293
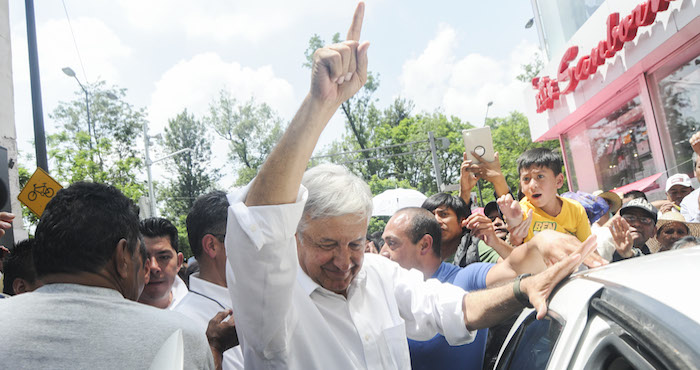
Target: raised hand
695, 142
622, 236
340, 70
511, 210
467, 178
5, 221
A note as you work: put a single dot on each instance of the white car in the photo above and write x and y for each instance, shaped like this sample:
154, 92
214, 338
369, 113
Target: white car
643, 313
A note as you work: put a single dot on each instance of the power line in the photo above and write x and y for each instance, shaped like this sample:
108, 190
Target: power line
80, 58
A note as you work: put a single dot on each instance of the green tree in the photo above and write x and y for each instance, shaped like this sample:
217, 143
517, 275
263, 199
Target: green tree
252, 131
193, 174
105, 151
532, 69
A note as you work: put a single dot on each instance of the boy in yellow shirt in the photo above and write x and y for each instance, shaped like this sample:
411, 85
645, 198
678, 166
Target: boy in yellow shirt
540, 178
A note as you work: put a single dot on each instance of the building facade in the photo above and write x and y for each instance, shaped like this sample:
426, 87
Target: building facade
620, 89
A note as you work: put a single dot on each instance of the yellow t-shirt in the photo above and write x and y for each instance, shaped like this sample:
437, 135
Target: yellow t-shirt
572, 219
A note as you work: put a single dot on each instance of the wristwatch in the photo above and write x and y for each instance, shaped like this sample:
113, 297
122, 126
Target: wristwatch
519, 295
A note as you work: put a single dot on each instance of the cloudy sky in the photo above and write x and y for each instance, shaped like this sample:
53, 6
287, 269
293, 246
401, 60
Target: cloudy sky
176, 54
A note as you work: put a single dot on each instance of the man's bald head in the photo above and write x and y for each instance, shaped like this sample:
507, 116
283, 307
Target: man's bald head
421, 222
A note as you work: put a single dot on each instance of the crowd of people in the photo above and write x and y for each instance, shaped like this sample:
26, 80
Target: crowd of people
286, 276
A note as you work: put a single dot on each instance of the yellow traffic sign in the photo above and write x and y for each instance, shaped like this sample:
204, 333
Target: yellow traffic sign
38, 192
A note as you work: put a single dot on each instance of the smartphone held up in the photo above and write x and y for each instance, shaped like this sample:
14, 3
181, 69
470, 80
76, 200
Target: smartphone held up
478, 140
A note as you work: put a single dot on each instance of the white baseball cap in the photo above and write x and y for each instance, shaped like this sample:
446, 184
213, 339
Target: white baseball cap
678, 179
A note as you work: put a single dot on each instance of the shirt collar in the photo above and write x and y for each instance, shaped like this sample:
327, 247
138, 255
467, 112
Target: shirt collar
211, 290
309, 286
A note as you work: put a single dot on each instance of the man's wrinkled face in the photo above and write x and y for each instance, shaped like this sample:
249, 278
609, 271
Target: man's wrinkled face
642, 226
164, 264
498, 224
670, 233
398, 246
450, 224
331, 250
677, 192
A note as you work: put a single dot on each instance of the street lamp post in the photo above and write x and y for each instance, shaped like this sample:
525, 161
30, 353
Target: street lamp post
70, 73
149, 163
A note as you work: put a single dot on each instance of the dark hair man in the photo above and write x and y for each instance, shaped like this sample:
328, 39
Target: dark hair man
164, 289
206, 230
89, 255
304, 293
19, 273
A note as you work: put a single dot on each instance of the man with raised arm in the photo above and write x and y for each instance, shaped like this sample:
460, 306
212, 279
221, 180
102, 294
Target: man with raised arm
304, 293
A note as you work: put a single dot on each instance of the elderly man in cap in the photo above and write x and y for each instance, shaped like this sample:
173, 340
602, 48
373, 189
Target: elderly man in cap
631, 230
678, 187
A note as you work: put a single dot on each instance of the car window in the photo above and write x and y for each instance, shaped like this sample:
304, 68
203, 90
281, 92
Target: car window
531, 346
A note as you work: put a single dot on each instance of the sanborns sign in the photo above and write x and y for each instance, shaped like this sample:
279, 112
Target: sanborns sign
618, 33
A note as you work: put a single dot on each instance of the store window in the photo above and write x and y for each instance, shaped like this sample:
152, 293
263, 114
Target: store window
677, 107
562, 18
615, 149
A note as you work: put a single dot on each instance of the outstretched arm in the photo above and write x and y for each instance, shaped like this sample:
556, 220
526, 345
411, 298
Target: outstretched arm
338, 72
485, 308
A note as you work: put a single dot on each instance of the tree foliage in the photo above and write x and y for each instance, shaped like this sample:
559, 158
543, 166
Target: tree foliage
251, 129
105, 151
193, 175
532, 69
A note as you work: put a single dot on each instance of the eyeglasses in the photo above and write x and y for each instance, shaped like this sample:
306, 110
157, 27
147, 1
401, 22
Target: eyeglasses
643, 220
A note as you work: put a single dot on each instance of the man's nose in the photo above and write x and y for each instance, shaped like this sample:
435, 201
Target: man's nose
342, 259
384, 251
153, 265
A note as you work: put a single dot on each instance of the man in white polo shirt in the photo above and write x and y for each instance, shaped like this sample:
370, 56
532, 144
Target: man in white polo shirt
206, 230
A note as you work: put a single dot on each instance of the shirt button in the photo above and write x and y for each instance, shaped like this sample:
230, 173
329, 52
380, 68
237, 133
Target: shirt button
367, 338
254, 228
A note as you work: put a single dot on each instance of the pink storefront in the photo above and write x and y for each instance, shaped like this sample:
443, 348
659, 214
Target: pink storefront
620, 89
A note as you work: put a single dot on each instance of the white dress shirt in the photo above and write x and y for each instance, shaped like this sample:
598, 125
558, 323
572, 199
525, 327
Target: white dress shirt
201, 304
689, 206
287, 321
179, 291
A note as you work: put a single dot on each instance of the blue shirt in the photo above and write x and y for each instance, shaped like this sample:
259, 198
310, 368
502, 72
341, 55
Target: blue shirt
437, 353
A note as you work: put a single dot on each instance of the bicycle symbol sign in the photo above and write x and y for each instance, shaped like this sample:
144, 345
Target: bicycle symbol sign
38, 191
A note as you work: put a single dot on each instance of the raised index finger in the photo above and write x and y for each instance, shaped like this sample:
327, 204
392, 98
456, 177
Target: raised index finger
356, 26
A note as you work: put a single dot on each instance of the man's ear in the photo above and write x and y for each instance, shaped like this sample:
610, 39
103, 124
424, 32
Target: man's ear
180, 260
426, 244
122, 258
560, 180
20, 286
209, 247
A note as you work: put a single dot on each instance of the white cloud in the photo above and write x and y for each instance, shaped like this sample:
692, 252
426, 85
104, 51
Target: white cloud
463, 85
223, 20
195, 83
98, 44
